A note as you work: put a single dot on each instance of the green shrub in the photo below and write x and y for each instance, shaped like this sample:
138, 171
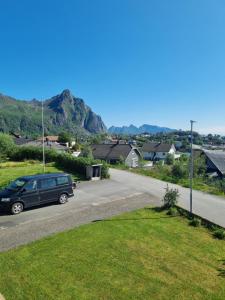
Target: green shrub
169, 159
195, 222
170, 198
179, 171
219, 234
62, 160
7, 146
173, 212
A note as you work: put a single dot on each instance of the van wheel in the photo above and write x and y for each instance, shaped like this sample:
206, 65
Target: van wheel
63, 199
17, 208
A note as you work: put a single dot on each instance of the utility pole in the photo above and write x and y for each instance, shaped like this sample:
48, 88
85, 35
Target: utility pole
43, 136
191, 166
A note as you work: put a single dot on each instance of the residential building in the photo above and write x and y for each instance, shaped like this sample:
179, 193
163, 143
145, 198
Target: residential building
113, 153
215, 161
157, 151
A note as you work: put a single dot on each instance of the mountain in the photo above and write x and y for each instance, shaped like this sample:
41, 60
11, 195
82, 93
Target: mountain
139, 130
61, 112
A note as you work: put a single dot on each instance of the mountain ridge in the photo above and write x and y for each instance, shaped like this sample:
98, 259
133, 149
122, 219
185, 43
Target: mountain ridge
61, 112
145, 128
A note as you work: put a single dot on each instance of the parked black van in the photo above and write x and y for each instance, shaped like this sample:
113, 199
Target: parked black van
35, 190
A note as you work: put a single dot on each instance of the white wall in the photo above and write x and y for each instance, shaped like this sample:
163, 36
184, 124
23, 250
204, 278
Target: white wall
159, 155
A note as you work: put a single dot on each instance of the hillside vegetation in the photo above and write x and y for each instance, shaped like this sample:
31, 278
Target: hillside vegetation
61, 112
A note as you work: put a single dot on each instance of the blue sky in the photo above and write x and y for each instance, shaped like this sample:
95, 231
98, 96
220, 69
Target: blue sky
133, 61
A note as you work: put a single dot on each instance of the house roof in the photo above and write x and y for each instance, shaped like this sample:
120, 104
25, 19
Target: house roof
217, 157
48, 145
50, 138
156, 147
21, 141
112, 151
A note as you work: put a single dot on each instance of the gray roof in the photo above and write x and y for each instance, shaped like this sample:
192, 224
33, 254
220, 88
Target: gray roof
156, 147
21, 141
217, 157
112, 151
48, 145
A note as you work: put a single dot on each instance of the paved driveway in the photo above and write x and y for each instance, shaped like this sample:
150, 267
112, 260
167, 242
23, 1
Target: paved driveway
205, 205
96, 200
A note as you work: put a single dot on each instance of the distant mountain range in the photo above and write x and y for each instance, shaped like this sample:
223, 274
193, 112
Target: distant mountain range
152, 129
61, 112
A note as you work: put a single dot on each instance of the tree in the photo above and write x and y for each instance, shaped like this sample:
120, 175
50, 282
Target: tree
179, 171
64, 137
200, 166
7, 146
87, 152
169, 159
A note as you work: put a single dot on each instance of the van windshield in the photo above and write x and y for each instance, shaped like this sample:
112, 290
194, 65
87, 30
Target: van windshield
17, 184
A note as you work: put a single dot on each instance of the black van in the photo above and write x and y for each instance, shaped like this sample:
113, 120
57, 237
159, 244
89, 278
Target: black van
35, 190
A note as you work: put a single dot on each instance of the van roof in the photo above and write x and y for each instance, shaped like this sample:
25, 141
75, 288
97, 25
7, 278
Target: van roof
41, 176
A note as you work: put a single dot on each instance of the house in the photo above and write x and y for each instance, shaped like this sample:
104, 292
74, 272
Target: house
50, 138
157, 151
49, 145
19, 140
113, 153
215, 161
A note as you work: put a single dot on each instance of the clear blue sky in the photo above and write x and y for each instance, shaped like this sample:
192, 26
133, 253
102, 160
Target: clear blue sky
133, 61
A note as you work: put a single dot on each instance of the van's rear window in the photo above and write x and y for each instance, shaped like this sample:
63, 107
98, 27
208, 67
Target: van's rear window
62, 180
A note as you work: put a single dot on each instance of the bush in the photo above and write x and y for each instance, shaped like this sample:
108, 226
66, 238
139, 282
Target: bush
195, 222
87, 151
63, 160
7, 146
219, 234
173, 212
179, 171
169, 159
170, 198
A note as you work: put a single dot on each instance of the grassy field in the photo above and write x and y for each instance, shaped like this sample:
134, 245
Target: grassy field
139, 255
12, 170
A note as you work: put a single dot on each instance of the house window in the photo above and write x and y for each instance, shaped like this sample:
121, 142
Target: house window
164, 153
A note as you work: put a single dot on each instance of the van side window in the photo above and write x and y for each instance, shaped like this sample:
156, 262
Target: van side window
31, 185
62, 180
47, 183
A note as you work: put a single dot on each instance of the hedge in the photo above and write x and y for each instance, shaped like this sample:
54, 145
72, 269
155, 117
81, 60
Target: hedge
63, 160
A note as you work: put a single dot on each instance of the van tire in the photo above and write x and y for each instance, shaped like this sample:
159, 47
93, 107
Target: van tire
16, 208
63, 198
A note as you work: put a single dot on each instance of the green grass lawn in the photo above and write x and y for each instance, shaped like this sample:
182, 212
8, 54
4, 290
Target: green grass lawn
139, 255
12, 170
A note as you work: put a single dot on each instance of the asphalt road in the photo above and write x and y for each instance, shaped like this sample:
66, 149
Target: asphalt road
98, 200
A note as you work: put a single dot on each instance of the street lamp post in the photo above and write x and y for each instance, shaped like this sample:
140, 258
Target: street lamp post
191, 167
43, 136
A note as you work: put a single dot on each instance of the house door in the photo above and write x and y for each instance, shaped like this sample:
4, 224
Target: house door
134, 162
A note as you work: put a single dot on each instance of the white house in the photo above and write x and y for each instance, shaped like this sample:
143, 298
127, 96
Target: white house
157, 151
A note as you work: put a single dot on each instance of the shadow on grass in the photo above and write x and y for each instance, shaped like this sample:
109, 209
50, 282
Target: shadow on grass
133, 219
221, 270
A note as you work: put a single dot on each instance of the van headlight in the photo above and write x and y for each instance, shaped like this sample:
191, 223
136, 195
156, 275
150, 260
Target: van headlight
5, 199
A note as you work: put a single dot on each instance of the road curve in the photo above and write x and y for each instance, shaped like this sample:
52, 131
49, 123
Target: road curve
207, 206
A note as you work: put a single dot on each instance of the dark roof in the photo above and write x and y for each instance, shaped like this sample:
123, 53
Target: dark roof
112, 151
50, 145
217, 157
156, 147
21, 141
41, 176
